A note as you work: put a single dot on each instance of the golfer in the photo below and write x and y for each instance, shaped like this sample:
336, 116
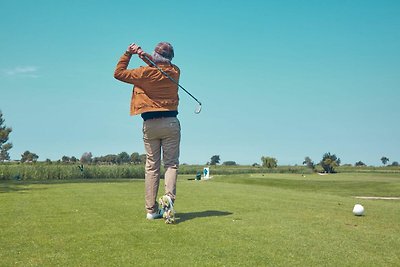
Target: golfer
155, 98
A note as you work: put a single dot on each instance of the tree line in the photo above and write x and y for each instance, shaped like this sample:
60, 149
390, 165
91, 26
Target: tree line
5, 146
328, 162
87, 158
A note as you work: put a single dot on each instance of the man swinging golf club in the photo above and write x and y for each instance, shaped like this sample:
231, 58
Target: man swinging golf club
155, 97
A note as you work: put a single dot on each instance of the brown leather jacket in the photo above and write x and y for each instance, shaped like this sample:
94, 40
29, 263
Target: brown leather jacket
152, 91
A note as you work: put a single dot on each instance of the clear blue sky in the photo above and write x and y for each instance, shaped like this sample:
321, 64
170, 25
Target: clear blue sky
286, 79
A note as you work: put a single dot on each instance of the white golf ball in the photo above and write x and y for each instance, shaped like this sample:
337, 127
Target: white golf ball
358, 210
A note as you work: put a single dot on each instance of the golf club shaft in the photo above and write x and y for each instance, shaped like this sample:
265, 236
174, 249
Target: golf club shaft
169, 77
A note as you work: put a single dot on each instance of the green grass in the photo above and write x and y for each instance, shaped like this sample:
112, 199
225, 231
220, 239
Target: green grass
235, 220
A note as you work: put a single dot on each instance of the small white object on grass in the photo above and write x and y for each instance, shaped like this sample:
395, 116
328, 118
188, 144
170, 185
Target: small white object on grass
358, 210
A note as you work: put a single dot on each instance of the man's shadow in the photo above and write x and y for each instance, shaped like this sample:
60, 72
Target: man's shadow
182, 217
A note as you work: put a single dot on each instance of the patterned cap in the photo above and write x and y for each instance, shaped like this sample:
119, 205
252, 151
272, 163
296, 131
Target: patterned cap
165, 49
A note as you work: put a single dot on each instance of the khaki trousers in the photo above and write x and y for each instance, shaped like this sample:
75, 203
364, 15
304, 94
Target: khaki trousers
161, 134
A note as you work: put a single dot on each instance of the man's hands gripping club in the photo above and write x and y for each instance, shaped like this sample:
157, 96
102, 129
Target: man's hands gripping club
136, 49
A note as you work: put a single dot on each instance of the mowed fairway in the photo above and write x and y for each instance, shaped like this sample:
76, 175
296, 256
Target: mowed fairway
236, 220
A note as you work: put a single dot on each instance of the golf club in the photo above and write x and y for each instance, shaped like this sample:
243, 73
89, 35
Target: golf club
198, 109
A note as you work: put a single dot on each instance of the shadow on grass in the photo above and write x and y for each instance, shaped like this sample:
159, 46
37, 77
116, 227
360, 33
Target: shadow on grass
12, 188
16, 188
182, 217
23, 186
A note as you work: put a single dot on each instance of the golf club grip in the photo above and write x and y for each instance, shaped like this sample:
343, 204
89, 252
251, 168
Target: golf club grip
169, 77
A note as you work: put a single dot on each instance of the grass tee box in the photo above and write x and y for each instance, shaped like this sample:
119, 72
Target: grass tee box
233, 220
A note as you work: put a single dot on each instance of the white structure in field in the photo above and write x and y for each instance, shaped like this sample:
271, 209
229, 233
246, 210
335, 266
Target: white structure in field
206, 173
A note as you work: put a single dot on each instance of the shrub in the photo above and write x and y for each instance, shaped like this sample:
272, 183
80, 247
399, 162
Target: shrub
43, 171
229, 163
269, 162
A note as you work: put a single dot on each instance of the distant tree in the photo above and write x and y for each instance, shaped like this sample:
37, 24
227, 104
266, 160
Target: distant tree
28, 156
73, 159
309, 163
135, 158
109, 159
143, 158
48, 161
269, 162
359, 164
65, 159
384, 160
123, 157
255, 165
229, 163
4, 134
395, 163
25, 156
329, 162
86, 157
215, 160
96, 160
4, 155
